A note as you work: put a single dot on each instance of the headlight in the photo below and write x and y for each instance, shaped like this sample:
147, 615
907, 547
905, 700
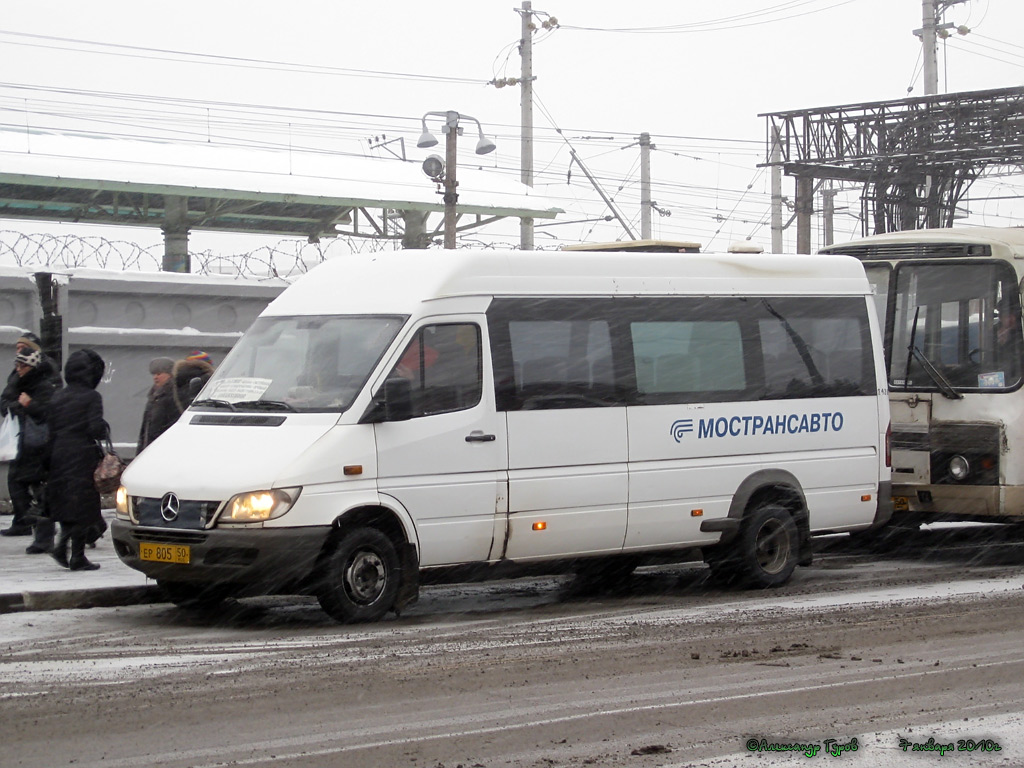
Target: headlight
257, 506
122, 502
959, 468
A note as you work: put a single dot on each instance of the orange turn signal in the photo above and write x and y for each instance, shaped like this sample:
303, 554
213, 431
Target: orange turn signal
696, 513
540, 525
866, 497
353, 469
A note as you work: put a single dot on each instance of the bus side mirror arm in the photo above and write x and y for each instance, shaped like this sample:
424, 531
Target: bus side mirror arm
393, 402
397, 399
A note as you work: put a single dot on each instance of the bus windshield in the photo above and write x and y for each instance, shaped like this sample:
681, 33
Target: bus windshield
955, 325
300, 364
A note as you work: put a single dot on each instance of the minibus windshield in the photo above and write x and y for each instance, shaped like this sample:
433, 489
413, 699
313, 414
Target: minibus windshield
311, 363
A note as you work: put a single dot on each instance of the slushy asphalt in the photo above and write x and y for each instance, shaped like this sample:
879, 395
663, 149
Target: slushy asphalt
37, 583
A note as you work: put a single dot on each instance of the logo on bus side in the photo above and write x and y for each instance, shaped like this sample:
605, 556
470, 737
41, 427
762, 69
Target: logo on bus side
751, 426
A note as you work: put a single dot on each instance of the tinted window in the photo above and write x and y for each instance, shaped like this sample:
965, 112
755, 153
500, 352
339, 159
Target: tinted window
574, 353
442, 363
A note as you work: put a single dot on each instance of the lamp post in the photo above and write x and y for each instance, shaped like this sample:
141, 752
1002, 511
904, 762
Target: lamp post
446, 173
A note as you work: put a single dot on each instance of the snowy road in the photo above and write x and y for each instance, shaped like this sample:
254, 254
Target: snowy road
905, 654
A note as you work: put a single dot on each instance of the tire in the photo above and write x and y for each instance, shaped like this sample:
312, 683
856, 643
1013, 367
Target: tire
767, 548
361, 577
196, 597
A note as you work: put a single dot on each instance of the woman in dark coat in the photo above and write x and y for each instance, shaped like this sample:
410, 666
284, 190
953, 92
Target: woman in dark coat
76, 423
27, 396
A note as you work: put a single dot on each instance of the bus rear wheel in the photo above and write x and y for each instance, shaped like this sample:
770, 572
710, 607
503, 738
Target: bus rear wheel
767, 547
361, 577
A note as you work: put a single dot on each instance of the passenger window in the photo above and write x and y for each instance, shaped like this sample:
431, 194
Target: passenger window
442, 363
815, 348
561, 363
688, 356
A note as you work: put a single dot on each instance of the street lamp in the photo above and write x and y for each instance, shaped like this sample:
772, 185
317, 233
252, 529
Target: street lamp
446, 173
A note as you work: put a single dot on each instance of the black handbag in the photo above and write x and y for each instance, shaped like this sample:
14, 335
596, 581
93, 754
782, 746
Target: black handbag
34, 434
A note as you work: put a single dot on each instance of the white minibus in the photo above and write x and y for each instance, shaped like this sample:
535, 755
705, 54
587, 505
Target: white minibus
950, 306
396, 416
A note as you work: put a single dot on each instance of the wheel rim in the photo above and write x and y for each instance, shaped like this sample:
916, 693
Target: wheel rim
365, 577
771, 547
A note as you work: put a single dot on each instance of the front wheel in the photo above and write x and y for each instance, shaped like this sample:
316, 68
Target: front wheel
767, 547
361, 577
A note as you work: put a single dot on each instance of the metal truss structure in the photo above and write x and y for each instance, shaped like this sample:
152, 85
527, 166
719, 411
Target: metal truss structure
915, 157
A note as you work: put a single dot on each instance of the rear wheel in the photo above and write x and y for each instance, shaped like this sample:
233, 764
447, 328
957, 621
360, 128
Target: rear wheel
767, 548
361, 577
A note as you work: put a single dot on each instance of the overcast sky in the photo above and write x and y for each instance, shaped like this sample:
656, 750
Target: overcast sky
335, 75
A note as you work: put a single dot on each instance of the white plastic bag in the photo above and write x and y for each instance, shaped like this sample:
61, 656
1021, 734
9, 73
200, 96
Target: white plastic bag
10, 429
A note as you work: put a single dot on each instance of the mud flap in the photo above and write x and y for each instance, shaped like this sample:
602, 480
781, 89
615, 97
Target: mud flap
409, 589
806, 555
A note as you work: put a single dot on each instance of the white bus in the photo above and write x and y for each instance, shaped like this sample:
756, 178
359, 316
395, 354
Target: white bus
395, 414
951, 306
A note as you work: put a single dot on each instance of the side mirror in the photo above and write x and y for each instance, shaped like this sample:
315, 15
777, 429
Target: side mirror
397, 399
194, 385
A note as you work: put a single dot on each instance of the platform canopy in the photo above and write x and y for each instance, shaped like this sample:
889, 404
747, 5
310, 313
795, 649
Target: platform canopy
179, 187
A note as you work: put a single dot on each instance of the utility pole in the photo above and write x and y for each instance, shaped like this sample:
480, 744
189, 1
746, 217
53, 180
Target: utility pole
776, 191
930, 32
928, 48
645, 186
828, 211
451, 184
804, 210
526, 105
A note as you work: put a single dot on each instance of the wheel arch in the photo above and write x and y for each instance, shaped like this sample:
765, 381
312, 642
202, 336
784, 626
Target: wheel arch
395, 526
772, 486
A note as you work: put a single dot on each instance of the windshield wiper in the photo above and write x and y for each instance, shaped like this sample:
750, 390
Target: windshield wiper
215, 404
269, 405
944, 385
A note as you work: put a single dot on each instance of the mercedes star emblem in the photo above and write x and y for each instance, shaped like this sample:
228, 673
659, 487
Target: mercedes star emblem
169, 506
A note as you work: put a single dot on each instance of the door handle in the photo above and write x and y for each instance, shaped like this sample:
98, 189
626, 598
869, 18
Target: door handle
479, 437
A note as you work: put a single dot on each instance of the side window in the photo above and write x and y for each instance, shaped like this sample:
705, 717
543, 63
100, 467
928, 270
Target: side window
688, 356
561, 363
815, 347
553, 353
442, 363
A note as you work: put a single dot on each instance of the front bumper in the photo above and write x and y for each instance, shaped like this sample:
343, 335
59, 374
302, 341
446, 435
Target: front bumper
252, 561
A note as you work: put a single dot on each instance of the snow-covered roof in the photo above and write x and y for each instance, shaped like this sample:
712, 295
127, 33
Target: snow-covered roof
53, 176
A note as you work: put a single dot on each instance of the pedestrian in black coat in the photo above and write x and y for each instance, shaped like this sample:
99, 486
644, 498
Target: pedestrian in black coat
27, 396
161, 409
76, 423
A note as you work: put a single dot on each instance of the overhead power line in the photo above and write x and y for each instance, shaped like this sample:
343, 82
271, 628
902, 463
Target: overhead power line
763, 16
51, 42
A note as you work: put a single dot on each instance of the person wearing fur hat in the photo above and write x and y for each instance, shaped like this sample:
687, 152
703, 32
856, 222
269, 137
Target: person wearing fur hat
161, 410
27, 396
197, 365
76, 424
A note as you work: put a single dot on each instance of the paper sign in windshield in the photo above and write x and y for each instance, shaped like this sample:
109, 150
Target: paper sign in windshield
240, 389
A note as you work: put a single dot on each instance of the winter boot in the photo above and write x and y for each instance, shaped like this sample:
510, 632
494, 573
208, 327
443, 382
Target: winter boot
60, 549
78, 561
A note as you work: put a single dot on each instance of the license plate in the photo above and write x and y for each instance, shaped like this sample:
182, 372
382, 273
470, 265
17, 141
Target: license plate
900, 504
165, 553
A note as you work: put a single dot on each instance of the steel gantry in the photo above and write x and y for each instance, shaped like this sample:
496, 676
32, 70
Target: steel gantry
916, 158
